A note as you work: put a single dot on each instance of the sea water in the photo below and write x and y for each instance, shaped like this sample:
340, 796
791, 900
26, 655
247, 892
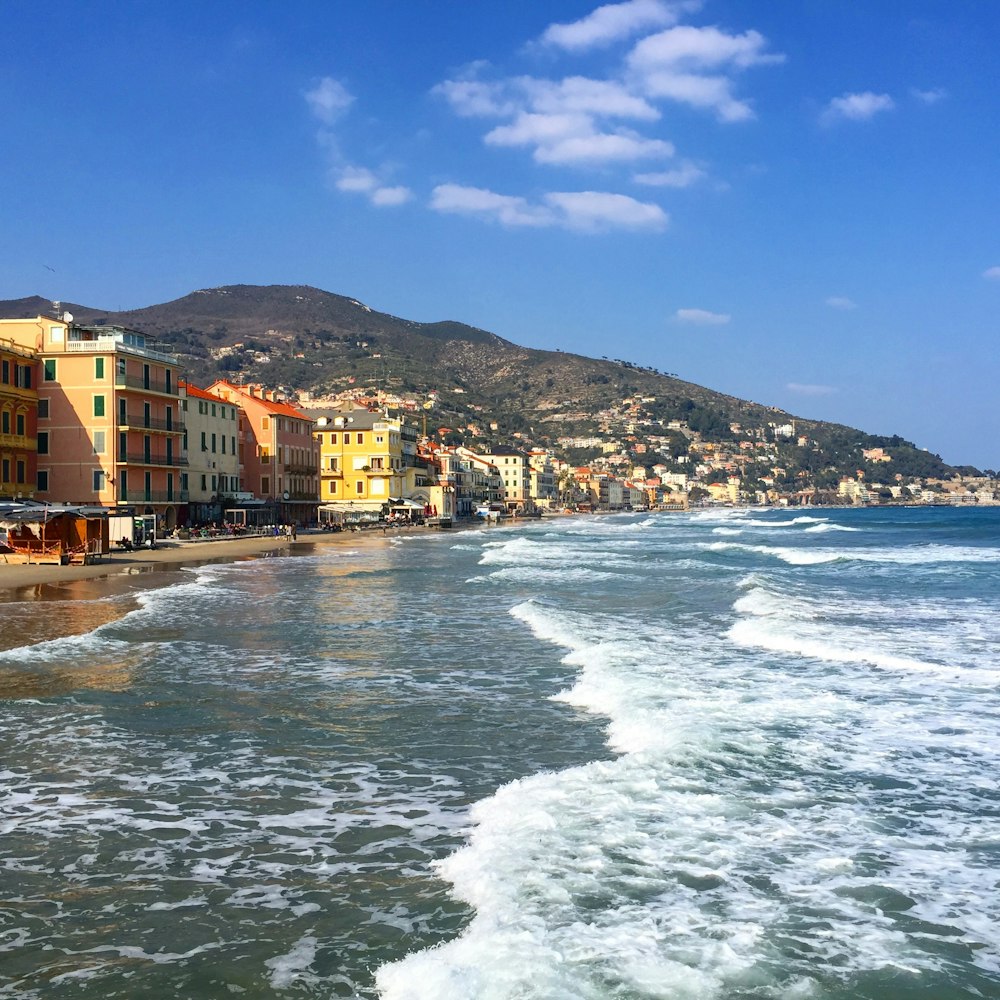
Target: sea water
727, 754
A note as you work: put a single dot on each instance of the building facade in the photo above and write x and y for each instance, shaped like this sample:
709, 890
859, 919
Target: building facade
211, 433
276, 451
109, 416
18, 421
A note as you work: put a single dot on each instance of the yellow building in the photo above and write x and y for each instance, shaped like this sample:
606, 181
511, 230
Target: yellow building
361, 459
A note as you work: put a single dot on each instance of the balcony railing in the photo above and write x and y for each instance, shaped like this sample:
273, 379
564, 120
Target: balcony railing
141, 458
136, 422
153, 496
302, 470
107, 345
148, 385
18, 442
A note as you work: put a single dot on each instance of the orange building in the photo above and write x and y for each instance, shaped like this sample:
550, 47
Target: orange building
110, 427
18, 421
278, 455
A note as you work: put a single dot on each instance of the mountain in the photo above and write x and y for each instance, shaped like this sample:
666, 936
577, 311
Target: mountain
303, 338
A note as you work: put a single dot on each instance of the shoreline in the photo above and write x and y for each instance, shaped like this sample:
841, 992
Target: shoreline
92, 595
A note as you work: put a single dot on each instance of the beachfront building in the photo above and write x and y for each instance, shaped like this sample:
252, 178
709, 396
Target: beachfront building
515, 471
211, 430
18, 421
275, 450
361, 456
110, 423
544, 490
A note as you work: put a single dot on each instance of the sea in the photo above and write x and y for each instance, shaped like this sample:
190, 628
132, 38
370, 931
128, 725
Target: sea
720, 755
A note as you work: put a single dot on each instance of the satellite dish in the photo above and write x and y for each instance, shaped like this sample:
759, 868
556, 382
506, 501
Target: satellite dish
67, 317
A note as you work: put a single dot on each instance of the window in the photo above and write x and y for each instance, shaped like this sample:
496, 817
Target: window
223, 442
121, 368
5, 373
265, 484
22, 376
20, 470
333, 437
204, 441
98, 476
213, 444
213, 409
43, 442
360, 486
334, 464
98, 406
5, 425
100, 445
204, 481
265, 423
20, 425
98, 367
361, 438
43, 481
5, 470
50, 369
232, 444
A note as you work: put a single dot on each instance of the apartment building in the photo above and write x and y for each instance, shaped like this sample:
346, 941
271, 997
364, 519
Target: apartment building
109, 416
515, 471
361, 458
18, 421
211, 431
276, 450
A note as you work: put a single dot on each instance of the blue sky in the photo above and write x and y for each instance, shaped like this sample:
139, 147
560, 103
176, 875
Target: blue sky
796, 203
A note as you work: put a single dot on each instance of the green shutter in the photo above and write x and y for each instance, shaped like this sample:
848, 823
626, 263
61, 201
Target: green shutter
98, 406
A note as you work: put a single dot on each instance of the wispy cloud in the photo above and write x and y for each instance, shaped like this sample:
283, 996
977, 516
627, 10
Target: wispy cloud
841, 302
856, 107
328, 101
694, 66
701, 317
992, 274
581, 211
680, 177
804, 389
932, 96
614, 22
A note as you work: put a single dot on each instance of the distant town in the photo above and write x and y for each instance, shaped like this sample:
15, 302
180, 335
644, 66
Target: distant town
102, 417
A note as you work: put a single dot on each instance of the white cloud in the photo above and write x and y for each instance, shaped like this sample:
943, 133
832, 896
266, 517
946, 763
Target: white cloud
599, 210
803, 389
509, 210
572, 139
681, 177
675, 65
929, 96
701, 317
857, 107
478, 98
358, 179
361, 180
582, 211
841, 302
328, 100
384, 196
614, 22
992, 274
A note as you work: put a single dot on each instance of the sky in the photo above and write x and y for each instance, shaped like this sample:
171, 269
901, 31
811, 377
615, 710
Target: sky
794, 202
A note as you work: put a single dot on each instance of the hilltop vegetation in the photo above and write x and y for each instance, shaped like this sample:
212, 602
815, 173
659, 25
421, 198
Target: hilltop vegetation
488, 390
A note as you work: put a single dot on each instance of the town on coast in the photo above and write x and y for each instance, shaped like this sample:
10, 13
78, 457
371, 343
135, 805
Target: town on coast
105, 444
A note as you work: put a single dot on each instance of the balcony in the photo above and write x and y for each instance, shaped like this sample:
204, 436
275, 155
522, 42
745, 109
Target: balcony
108, 345
146, 385
141, 458
302, 470
134, 421
153, 496
18, 442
